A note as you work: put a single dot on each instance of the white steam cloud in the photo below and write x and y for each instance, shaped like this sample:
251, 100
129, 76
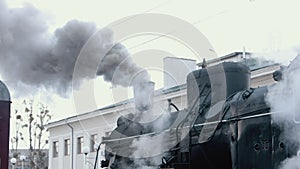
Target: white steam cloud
283, 56
284, 99
150, 149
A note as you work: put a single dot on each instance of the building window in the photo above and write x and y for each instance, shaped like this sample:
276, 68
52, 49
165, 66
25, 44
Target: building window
67, 147
55, 149
93, 141
79, 145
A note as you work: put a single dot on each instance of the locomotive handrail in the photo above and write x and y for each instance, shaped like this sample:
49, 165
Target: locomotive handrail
249, 117
196, 125
135, 136
193, 107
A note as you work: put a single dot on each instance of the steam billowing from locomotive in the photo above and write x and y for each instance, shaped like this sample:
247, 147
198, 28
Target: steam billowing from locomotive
118, 67
284, 99
32, 58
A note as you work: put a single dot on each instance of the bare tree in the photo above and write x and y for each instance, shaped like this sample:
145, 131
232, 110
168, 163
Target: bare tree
30, 128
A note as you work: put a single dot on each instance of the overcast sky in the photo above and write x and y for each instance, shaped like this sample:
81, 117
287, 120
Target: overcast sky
261, 26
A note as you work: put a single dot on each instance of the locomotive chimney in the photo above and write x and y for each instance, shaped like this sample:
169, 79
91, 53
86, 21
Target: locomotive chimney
4, 125
143, 93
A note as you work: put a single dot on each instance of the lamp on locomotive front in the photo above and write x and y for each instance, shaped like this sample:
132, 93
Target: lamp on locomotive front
4, 125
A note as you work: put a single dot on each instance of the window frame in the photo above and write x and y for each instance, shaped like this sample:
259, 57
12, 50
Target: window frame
55, 149
80, 144
93, 141
67, 147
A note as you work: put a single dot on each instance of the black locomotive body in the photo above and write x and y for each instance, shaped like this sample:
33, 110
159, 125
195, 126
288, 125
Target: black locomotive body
227, 125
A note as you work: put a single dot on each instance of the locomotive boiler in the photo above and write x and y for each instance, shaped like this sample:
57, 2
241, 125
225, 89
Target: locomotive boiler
226, 125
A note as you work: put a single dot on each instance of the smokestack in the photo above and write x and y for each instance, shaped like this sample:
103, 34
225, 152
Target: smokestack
143, 94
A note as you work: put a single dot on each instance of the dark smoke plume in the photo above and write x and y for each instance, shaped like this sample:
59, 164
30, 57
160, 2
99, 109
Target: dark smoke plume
118, 67
33, 58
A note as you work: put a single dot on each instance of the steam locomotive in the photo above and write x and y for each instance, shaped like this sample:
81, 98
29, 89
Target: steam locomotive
227, 125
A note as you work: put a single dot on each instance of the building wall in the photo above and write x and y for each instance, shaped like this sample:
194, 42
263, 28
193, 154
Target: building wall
82, 128
263, 76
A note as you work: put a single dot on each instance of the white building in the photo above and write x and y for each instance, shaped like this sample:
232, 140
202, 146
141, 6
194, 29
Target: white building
68, 137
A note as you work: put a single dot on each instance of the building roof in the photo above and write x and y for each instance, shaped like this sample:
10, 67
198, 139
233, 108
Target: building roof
225, 57
110, 108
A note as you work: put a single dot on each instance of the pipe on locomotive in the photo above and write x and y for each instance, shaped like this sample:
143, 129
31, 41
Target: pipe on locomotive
97, 154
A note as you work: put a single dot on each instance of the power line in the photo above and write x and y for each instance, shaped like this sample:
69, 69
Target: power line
150, 40
146, 11
209, 17
169, 33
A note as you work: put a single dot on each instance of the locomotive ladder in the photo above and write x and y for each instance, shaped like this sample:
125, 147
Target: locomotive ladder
185, 126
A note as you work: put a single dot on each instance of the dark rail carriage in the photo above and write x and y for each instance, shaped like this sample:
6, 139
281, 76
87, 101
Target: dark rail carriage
227, 125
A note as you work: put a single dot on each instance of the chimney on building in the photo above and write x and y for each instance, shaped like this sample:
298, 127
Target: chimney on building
176, 71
